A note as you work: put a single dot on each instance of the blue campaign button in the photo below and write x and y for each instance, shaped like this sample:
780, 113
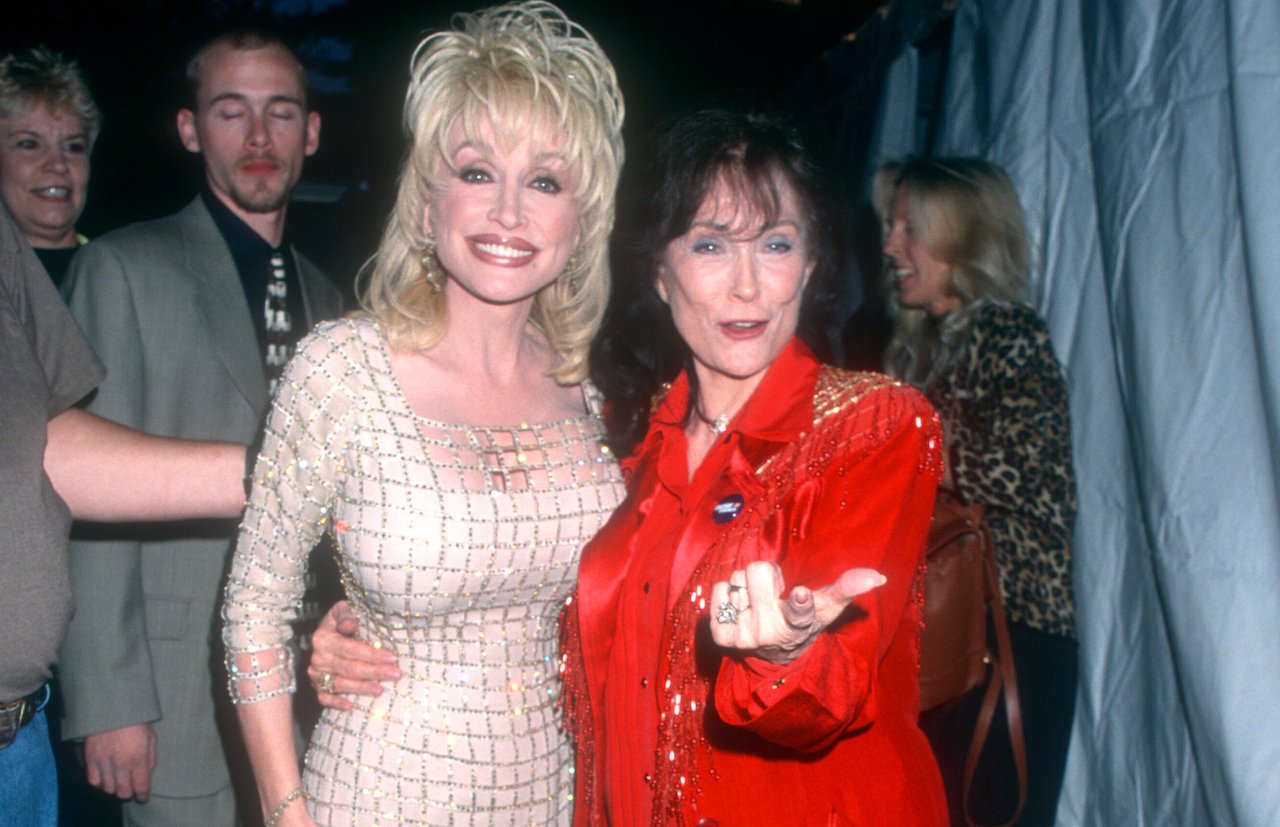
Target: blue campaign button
727, 509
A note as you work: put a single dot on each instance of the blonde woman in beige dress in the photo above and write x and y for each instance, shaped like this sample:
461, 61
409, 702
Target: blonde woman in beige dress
448, 441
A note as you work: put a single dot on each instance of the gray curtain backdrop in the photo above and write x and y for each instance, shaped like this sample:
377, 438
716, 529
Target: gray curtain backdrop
1144, 139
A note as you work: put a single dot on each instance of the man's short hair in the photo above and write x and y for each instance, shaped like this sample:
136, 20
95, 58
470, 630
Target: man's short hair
239, 39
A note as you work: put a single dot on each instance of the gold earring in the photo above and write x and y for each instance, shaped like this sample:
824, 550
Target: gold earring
570, 268
431, 269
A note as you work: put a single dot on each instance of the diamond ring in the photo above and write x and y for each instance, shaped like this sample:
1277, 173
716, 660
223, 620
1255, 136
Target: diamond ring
727, 613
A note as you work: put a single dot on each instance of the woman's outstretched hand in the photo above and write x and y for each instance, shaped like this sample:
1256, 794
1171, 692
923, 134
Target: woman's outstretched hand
341, 665
748, 613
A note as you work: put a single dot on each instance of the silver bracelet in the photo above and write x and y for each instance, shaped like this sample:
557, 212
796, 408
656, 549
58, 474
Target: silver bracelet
284, 805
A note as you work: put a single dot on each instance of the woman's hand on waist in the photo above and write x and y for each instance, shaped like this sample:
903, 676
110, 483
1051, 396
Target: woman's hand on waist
341, 665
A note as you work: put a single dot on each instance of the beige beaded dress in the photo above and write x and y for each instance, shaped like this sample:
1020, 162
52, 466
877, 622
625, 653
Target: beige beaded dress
458, 546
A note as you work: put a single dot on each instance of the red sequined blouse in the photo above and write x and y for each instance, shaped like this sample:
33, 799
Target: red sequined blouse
821, 471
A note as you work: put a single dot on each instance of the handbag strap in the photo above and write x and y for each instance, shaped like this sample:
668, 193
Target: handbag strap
1003, 681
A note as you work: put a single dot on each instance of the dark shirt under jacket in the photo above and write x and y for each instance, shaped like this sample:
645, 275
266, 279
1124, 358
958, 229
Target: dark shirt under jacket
55, 261
252, 255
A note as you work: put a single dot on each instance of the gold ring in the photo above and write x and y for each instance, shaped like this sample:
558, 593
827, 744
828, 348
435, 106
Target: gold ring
326, 683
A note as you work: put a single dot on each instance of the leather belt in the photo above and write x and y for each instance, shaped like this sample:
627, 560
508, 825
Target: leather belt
14, 715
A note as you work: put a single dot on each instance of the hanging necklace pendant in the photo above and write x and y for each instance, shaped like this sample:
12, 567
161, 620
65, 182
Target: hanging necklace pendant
718, 425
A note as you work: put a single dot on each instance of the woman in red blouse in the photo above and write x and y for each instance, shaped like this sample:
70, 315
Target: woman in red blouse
743, 646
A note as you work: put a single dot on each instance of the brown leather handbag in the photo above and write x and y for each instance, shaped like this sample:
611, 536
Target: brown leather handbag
961, 590
953, 645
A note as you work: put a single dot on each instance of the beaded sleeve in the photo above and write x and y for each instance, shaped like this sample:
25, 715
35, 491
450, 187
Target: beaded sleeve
295, 483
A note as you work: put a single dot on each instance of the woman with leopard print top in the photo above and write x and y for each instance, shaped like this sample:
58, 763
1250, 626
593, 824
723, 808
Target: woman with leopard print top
956, 253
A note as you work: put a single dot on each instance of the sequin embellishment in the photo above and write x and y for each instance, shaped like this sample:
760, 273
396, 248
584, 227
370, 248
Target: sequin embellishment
458, 546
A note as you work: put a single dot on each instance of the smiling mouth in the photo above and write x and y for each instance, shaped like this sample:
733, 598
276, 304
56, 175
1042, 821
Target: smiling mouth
502, 250
53, 192
902, 273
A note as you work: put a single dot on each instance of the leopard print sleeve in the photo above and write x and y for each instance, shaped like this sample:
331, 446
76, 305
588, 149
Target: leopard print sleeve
1005, 406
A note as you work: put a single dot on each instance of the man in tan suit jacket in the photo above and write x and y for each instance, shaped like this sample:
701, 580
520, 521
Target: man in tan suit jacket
181, 312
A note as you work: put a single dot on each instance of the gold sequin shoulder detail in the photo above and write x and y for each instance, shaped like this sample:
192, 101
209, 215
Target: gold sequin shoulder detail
863, 408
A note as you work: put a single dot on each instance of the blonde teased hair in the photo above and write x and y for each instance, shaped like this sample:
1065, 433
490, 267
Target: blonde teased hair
516, 66
966, 212
40, 75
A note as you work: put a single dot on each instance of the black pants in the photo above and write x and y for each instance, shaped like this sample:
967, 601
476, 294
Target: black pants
1046, 667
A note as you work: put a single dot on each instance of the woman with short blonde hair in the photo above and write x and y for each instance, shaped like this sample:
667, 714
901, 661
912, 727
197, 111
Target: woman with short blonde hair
48, 125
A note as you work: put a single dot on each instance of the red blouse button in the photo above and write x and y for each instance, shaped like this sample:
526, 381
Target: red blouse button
708, 822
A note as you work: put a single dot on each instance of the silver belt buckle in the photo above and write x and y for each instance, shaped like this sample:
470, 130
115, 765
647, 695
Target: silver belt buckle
11, 720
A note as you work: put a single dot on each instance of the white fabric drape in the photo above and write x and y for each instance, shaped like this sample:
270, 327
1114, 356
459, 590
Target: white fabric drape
1144, 139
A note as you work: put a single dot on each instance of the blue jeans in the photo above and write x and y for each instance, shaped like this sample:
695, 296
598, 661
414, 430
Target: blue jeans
28, 781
